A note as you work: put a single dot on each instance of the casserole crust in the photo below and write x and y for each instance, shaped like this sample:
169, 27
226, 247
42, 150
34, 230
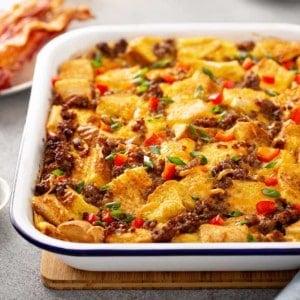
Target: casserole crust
173, 140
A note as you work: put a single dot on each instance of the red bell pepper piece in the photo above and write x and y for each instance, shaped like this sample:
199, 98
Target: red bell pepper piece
120, 159
155, 139
101, 88
268, 79
223, 136
217, 220
169, 171
271, 180
295, 116
228, 84
168, 78
297, 78
216, 98
265, 207
138, 222
289, 64
153, 103
91, 218
248, 63
266, 154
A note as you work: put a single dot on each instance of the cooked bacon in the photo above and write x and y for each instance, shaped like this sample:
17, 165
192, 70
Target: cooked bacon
25, 29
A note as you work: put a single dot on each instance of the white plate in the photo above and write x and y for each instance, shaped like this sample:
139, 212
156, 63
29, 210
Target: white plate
23, 80
144, 256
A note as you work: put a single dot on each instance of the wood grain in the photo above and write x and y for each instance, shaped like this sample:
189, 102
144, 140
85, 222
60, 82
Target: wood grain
57, 275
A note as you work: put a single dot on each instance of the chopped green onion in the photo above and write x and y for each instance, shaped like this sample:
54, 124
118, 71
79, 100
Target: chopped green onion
112, 205
141, 73
198, 91
270, 192
244, 222
195, 198
128, 218
201, 157
270, 165
176, 160
243, 55
235, 213
154, 149
104, 188
161, 64
148, 162
115, 126
203, 135
271, 92
97, 61
236, 158
143, 87
250, 238
99, 223
216, 109
166, 100
209, 73
111, 156
222, 116
117, 213
79, 187
57, 172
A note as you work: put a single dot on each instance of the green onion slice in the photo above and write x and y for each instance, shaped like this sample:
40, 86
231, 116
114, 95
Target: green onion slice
79, 187
176, 160
112, 205
270, 192
57, 172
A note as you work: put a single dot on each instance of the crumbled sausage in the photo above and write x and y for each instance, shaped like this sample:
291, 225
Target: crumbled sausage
165, 48
269, 109
246, 46
251, 81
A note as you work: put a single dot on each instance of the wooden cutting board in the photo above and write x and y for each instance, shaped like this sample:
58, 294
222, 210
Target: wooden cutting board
57, 275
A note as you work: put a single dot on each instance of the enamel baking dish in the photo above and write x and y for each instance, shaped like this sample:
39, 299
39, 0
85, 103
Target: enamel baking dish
134, 257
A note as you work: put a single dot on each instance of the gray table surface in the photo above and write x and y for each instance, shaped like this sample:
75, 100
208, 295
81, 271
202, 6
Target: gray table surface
19, 260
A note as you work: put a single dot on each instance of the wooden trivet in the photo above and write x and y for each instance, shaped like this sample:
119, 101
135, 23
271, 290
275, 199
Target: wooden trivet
57, 275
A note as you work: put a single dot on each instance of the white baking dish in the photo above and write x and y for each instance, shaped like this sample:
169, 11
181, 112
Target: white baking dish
137, 257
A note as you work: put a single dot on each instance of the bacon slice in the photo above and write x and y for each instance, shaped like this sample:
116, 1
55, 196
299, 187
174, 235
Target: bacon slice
25, 29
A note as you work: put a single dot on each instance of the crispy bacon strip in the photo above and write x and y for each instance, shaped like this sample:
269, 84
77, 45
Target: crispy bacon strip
25, 29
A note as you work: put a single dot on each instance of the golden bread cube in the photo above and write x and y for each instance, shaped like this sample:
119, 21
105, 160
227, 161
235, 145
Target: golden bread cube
92, 169
186, 238
279, 49
54, 119
118, 79
205, 48
243, 100
118, 105
289, 182
219, 234
180, 148
140, 235
243, 195
51, 209
141, 49
165, 202
81, 232
269, 67
129, 189
76, 68
67, 88
293, 232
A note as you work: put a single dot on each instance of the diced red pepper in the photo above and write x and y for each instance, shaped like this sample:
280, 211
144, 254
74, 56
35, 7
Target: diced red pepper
120, 159
153, 103
91, 218
223, 136
268, 79
297, 207
155, 139
297, 78
266, 154
228, 84
168, 78
295, 116
216, 98
248, 63
105, 127
169, 171
289, 64
217, 220
106, 217
100, 70
101, 88
265, 207
271, 180
138, 222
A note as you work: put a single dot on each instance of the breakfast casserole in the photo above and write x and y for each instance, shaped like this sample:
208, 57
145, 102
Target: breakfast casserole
173, 140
